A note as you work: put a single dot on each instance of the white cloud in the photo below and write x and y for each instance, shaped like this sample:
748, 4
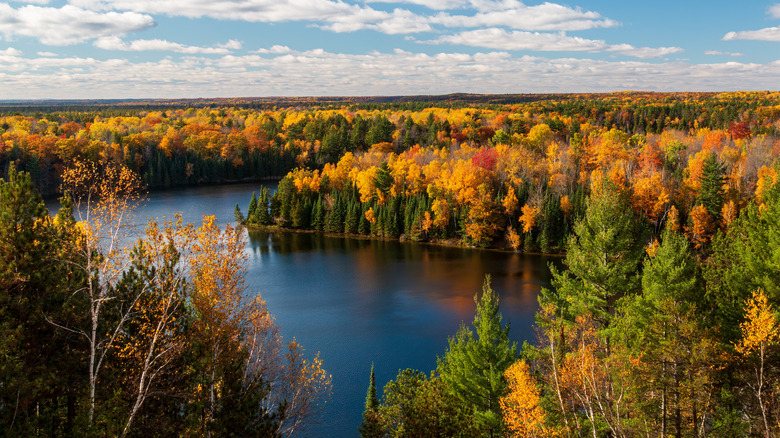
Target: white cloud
495, 38
339, 16
232, 45
10, 52
643, 52
774, 10
319, 72
767, 34
116, 43
333, 15
47, 54
265, 11
439, 5
719, 53
516, 15
68, 24
400, 21
276, 49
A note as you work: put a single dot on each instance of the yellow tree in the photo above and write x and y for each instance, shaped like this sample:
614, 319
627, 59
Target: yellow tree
760, 331
233, 328
520, 406
104, 195
483, 218
217, 267
702, 225
528, 219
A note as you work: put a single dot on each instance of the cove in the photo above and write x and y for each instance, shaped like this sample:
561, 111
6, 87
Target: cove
358, 302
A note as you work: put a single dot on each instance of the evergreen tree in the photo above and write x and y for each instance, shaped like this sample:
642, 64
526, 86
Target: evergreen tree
395, 220
409, 215
358, 133
552, 224
365, 226
238, 215
473, 367
353, 219
669, 279
712, 178
371, 427
381, 130
663, 328
383, 179
262, 215
287, 195
35, 280
297, 213
318, 215
416, 405
602, 258
276, 206
335, 220
383, 221
376, 226
671, 272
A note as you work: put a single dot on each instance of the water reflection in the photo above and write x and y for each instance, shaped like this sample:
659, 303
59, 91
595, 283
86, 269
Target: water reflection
395, 304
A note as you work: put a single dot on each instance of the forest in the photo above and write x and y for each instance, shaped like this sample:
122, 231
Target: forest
666, 207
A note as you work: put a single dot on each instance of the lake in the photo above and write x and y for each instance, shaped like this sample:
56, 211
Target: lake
362, 301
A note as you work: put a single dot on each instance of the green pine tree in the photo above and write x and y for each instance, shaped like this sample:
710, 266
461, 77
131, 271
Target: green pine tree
602, 258
365, 226
262, 216
371, 427
252, 210
383, 179
318, 215
712, 178
353, 219
669, 279
473, 367
40, 364
238, 215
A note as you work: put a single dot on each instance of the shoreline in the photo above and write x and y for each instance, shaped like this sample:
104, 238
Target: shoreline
441, 243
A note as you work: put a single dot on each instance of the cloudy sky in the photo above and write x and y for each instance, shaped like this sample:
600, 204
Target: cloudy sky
242, 48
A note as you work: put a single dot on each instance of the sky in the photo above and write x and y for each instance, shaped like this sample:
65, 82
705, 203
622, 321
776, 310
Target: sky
123, 49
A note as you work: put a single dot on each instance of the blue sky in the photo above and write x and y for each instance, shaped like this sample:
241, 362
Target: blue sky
88, 49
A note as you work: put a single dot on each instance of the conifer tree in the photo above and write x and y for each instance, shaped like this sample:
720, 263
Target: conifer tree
711, 194
238, 215
371, 427
383, 179
602, 259
334, 222
298, 214
252, 210
365, 226
318, 215
473, 367
262, 216
353, 219
35, 280
671, 273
